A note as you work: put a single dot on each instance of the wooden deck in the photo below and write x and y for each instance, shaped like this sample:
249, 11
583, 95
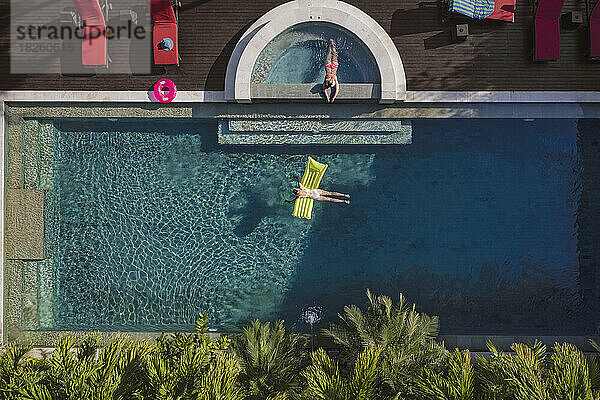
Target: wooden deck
496, 56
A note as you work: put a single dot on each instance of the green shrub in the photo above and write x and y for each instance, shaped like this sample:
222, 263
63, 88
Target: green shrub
191, 366
530, 374
406, 339
21, 376
389, 352
271, 359
455, 383
325, 381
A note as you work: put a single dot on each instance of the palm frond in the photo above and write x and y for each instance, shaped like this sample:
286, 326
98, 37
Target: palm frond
406, 339
457, 383
219, 381
365, 380
324, 381
201, 325
568, 374
272, 359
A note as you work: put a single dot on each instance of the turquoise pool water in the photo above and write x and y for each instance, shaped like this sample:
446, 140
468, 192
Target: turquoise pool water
299, 55
476, 221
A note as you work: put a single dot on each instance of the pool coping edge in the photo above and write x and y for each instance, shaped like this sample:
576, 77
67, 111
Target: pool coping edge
202, 96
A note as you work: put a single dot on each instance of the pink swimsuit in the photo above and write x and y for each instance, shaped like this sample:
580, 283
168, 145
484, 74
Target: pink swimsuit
333, 66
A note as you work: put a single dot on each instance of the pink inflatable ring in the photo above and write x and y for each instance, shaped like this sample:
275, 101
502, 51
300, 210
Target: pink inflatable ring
162, 95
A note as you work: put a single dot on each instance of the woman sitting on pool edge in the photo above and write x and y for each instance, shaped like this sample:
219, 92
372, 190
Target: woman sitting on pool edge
317, 194
331, 80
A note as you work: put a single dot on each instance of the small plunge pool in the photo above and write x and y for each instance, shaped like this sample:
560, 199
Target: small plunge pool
299, 55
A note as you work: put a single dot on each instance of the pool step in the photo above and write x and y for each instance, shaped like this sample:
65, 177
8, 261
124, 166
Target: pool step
31, 150
314, 131
24, 224
46, 158
30, 295
45, 302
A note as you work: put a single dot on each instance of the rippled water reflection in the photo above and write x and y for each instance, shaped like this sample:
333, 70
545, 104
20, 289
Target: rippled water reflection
475, 221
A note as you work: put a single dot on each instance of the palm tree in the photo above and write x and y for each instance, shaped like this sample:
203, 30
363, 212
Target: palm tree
594, 369
271, 360
406, 339
192, 366
21, 376
326, 382
95, 370
220, 381
529, 374
515, 377
568, 374
454, 384
177, 367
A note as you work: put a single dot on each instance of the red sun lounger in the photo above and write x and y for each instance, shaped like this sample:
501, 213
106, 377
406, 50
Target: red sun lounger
595, 32
164, 34
504, 10
547, 29
93, 46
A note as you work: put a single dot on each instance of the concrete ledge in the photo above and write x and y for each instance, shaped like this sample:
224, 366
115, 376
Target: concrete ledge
312, 92
2, 184
503, 343
129, 96
314, 139
478, 342
315, 110
24, 224
200, 96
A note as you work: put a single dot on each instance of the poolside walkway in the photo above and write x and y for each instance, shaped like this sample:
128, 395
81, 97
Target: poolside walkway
496, 55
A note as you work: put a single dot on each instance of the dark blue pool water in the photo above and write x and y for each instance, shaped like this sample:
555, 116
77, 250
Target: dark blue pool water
304, 63
476, 221
299, 55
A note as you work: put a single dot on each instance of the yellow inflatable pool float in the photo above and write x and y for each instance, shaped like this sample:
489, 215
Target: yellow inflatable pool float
311, 179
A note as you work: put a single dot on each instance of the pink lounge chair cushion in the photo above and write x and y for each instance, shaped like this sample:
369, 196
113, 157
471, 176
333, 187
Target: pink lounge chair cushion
595, 31
549, 9
547, 39
161, 11
90, 12
93, 45
504, 10
547, 29
160, 32
165, 26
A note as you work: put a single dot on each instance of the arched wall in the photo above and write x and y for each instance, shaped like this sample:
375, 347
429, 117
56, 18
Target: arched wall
274, 22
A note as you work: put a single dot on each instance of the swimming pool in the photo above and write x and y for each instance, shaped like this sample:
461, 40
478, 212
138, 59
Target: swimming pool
151, 222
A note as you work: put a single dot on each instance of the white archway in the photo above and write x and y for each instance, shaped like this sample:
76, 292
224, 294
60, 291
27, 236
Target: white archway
285, 16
